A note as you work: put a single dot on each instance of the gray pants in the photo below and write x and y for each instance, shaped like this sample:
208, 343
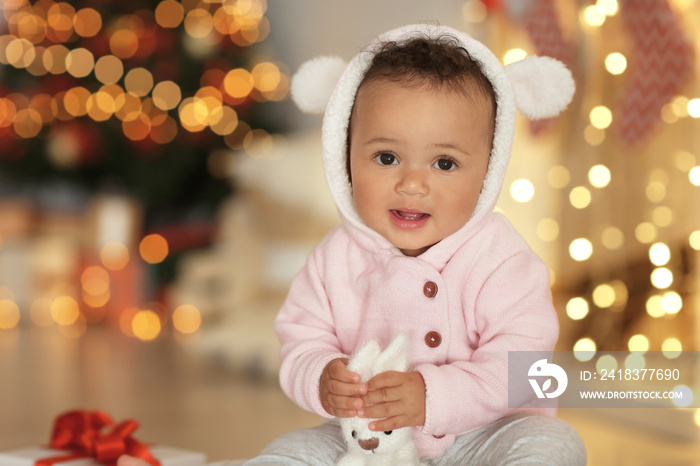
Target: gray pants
512, 440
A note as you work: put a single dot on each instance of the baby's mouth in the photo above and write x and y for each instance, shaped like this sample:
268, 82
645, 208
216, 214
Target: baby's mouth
406, 215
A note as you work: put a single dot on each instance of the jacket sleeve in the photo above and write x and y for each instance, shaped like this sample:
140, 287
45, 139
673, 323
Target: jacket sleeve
513, 311
306, 332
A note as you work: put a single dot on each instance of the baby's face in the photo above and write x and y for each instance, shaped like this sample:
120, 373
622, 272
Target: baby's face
418, 159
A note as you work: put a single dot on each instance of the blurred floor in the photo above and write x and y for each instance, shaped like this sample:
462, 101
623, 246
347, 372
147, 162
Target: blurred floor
181, 401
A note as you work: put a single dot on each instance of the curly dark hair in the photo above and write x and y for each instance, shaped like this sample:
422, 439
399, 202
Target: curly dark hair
438, 63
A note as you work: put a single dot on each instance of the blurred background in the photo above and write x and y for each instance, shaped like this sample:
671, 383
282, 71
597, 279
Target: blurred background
159, 192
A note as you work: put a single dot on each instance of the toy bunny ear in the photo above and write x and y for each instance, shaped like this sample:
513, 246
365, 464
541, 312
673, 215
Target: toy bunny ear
543, 86
394, 357
363, 360
314, 81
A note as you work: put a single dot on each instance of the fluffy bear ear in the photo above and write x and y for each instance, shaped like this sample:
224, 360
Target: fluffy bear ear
363, 360
314, 81
394, 357
543, 86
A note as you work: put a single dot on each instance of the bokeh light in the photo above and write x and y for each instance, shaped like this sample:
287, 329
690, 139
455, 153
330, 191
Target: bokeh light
580, 249
548, 229
584, 349
615, 63
146, 325
601, 117
672, 348
238, 83
580, 197
638, 344
95, 280
599, 176
124, 43
139, 82
65, 310
514, 55
9, 314
109, 69
671, 302
661, 278
612, 238
87, 22
577, 308
187, 319
522, 190
169, 13
659, 254
153, 248
604, 295
80, 62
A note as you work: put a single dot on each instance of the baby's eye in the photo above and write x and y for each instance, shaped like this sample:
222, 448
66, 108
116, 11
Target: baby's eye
386, 158
445, 164
388, 432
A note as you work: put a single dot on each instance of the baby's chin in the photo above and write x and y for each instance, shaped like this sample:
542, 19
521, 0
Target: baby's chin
411, 252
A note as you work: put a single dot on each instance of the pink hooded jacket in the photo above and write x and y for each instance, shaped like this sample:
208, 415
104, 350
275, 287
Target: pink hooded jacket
464, 303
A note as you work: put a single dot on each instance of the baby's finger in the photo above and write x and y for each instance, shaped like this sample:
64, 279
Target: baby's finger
345, 402
338, 371
385, 425
346, 389
343, 412
382, 410
386, 379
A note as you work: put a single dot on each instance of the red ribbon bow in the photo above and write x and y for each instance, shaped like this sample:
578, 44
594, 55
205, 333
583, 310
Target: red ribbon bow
81, 433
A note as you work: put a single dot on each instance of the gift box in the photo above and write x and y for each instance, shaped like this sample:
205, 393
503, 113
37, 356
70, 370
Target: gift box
92, 438
167, 456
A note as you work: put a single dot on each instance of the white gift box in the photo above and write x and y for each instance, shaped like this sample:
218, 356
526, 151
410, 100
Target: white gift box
166, 455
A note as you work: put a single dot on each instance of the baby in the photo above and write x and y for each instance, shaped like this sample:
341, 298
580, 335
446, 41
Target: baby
417, 136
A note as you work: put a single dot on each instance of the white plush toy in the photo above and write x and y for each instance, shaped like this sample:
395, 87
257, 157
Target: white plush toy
366, 447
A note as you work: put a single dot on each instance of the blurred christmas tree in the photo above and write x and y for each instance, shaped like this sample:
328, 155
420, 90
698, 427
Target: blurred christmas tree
137, 97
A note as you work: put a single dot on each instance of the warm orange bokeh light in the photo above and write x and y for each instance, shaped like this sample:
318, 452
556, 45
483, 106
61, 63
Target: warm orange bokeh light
166, 95
169, 13
9, 314
187, 319
80, 62
75, 101
27, 123
146, 325
153, 249
65, 310
95, 280
54, 59
124, 43
164, 132
87, 22
139, 82
109, 69
125, 319
238, 83
7, 112
138, 128
114, 255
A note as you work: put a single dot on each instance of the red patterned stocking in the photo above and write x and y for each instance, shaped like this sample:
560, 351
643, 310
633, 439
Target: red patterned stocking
661, 62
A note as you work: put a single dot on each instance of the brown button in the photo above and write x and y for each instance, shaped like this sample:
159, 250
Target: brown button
439, 436
433, 339
430, 289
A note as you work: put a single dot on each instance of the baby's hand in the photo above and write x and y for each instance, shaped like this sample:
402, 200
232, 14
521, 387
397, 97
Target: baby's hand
398, 398
341, 389
125, 460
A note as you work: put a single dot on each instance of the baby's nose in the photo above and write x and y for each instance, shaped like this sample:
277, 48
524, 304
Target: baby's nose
369, 444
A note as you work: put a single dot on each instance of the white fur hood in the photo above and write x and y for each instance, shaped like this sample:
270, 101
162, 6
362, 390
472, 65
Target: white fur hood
539, 87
